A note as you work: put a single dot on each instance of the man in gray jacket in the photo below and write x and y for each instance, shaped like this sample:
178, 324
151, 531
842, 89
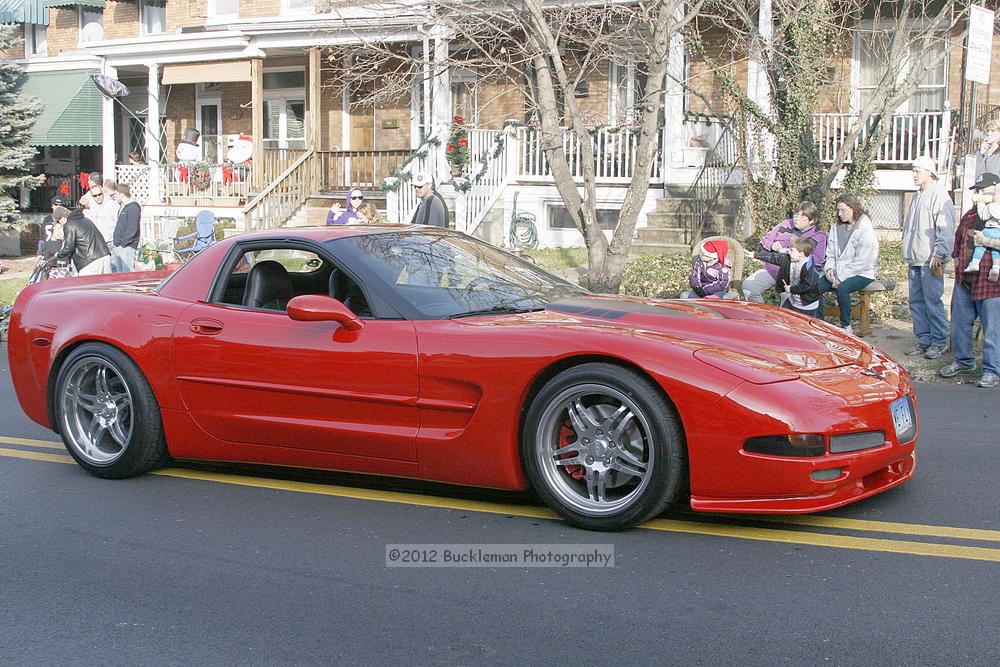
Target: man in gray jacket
928, 238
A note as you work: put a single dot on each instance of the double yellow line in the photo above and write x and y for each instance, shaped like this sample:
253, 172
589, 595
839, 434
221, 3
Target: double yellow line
735, 527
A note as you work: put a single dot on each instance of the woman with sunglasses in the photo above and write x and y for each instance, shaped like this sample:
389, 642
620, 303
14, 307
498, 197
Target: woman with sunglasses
336, 216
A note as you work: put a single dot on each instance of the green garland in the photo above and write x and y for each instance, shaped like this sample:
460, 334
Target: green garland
499, 144
401, 176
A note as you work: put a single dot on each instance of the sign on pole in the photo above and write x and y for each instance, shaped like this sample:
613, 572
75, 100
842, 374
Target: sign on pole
977, 62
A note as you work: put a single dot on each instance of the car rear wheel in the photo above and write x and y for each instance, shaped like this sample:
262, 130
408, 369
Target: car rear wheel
602, 447
107, 413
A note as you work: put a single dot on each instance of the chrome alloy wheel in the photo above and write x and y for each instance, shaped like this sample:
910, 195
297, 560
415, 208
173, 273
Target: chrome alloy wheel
96, 410
606, 462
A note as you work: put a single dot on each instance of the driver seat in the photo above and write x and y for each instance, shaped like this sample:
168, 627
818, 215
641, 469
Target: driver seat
344, 289
268, 286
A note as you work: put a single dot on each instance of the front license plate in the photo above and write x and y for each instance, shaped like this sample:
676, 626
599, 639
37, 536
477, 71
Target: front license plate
902, 415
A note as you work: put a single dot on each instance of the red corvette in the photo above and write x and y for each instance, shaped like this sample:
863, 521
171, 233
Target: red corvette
423, 353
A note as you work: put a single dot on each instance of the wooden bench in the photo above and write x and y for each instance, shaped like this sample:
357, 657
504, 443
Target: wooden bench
862, 309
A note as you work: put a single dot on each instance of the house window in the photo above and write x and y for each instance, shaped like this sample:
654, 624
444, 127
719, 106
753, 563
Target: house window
464, 100
559, 218
153, 16
284, 108
872, 64
36, 43
217, 8
91, 24
626, 90
297, 6
274, 80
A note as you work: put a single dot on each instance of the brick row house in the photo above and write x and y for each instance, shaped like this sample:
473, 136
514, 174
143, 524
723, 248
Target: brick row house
258, 71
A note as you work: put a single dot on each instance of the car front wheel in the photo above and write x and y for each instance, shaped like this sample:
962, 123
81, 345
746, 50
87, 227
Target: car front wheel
602, 447
107, 413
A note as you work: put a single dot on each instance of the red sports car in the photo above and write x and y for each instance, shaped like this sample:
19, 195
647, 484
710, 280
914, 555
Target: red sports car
423, 353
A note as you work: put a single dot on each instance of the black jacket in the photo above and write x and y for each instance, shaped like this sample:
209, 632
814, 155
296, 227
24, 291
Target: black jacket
432, 211
127, 228
808, 286
82, 241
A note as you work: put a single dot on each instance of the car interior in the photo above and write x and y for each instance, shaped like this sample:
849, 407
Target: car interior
269, 279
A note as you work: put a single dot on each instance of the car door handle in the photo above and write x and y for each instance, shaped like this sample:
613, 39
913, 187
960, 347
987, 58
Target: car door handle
206, 326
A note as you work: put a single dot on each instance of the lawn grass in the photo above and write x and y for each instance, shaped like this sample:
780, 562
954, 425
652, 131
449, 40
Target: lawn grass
558, 258
9, 287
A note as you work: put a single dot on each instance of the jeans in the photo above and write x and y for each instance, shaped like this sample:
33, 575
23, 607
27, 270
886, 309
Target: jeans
847, 287
930, 324
123, 259
964, 312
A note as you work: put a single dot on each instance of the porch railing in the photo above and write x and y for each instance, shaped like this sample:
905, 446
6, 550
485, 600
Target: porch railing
276, 203
906, 136
401, 203
340, 170
181, 180
276, 160
708, 185
613, 155
137, 178
491, 152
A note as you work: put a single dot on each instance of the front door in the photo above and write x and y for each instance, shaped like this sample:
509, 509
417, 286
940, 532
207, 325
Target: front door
285, 123
210, 126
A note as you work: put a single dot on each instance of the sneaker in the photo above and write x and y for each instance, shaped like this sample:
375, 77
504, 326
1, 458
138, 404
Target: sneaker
935, 351
915, 349
847, 328
954, 368
988, 380
994, 275
972, 267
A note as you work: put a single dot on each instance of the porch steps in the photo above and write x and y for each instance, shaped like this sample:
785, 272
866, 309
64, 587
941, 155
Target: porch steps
313, 212
669, 226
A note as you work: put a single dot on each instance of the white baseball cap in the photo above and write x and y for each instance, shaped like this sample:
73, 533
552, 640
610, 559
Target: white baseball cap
926, 162
421, 179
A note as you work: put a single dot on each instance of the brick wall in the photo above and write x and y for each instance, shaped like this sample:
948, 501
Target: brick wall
64, 29
121, 19
258, 8
180, 115
186, 14
235, 119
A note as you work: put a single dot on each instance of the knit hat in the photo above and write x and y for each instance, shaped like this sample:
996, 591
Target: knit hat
716, 249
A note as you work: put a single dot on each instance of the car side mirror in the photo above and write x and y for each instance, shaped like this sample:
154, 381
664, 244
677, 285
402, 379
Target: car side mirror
320, 308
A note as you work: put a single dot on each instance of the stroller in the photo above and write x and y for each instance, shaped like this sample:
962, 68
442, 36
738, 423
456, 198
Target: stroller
203, 235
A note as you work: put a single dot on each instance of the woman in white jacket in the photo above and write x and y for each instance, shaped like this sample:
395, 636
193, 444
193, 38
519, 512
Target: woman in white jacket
851, 255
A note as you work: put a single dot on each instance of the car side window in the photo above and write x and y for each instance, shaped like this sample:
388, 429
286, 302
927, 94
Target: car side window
268, 278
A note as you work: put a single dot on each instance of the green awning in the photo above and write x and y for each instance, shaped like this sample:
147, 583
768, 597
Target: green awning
24, 11
71, 108
74, 3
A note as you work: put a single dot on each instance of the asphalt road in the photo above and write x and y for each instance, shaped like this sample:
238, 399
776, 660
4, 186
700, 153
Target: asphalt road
264, 567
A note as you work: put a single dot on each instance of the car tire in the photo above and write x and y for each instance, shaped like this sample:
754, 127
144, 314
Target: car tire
602, 447
107, 414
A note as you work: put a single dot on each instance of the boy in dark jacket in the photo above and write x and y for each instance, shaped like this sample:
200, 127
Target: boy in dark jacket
798, 276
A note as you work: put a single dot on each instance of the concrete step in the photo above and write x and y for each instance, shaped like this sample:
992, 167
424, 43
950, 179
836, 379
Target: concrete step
663, 235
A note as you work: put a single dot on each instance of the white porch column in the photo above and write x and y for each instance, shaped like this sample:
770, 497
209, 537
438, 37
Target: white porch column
673, 102
108, 130
153, 155
761, 156
441, 108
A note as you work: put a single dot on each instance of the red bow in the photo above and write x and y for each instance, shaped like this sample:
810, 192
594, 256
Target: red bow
182, 174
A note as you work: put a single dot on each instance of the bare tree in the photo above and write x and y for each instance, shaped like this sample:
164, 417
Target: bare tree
910, 38
546, 50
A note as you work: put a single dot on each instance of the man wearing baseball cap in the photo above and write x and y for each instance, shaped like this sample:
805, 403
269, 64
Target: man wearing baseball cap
432, 210
975, 295
928, 239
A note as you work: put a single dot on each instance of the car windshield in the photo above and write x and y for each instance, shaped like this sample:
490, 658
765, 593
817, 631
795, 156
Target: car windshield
446, 276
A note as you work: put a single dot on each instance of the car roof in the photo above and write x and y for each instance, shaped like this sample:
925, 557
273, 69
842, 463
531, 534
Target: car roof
330, 232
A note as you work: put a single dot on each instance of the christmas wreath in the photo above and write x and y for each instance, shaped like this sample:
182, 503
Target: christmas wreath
199, 175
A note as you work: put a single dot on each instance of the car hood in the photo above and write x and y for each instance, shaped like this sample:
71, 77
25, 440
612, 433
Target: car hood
758, 342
